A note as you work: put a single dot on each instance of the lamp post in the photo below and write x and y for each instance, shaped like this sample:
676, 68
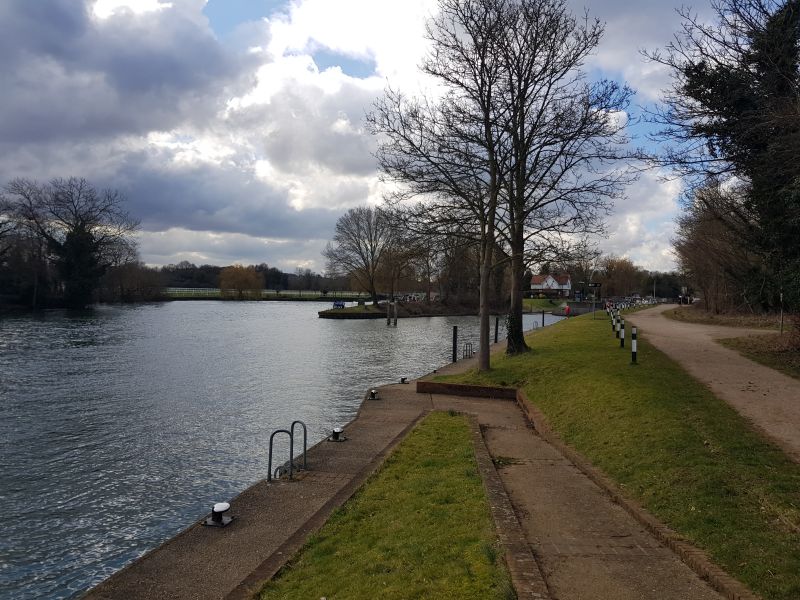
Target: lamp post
595, 290
653, 275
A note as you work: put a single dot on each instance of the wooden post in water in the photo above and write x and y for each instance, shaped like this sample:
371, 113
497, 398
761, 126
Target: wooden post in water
455, 343
496, 326
542, 318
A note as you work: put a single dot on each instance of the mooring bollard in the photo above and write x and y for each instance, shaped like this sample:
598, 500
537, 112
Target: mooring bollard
633, 345
455, 343
622, 334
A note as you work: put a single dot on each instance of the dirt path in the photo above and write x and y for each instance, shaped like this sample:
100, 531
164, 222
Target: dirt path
768, 399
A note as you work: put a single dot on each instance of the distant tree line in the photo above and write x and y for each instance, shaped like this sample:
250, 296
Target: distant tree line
260, 276
375, 249
618, 277
68, 244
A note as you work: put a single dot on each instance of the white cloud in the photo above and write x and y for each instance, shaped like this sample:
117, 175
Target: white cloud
248, 143
103, 9
643, 225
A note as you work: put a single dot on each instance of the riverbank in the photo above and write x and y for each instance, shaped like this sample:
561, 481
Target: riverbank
406, 310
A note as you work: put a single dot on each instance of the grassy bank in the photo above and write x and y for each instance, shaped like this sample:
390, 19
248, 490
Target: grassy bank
696, 314
534, 304
420, 528
770, 350
685, 455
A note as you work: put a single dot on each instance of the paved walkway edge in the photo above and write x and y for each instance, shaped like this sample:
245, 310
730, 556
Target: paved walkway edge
526, 576
693, 557
253, 583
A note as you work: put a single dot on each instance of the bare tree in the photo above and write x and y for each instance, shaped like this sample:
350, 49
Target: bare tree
565, 137
82, 227
362, 236
709, 248
446, 150
519, 146
7, 227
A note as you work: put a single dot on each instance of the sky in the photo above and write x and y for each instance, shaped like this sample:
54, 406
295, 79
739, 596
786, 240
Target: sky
235, 128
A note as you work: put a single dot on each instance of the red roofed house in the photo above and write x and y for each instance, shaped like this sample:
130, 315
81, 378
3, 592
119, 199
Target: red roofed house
559, 286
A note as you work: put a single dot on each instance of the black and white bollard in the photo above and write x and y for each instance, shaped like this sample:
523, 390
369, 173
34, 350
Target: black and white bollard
337, 435
622, 334
633, 345
616, 329
216, 519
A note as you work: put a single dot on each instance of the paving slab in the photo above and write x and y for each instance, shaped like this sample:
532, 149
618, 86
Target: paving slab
271, 520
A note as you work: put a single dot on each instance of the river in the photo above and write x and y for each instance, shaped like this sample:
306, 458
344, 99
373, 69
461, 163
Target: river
123, 425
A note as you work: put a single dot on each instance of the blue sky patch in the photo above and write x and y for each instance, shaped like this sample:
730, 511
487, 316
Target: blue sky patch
360, 68
225, 15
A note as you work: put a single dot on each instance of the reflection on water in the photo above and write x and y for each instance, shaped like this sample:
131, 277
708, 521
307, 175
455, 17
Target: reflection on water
122, 425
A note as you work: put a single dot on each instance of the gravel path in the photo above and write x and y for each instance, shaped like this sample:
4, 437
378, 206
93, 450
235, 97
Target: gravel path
768, 399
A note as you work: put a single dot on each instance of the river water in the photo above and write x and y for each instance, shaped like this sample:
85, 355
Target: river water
123, 425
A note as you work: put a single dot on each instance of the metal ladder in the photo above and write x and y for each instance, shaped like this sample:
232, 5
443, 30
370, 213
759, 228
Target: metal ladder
279, 471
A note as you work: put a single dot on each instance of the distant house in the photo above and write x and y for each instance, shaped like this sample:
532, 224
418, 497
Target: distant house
559, 286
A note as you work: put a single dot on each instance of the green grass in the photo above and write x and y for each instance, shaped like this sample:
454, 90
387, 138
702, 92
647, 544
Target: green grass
770, 350
533, 304
420, 528
670, 444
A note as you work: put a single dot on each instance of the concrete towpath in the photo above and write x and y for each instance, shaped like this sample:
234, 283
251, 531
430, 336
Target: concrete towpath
767, 398
570, 540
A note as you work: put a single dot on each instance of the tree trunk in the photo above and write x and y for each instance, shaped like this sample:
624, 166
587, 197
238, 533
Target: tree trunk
516, 336
483, 344
374, 293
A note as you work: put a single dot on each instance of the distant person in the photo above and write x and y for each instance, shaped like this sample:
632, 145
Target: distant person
567, 310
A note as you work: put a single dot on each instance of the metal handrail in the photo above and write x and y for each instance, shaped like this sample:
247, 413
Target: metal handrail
305, 440
291, 451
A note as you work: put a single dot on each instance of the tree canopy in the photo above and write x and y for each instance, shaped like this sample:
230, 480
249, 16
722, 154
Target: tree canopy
732, 118
84, 230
